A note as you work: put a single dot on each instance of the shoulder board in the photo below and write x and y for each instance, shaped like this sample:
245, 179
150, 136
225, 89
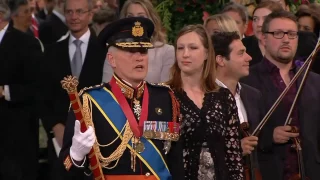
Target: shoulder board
164, 85
90, 88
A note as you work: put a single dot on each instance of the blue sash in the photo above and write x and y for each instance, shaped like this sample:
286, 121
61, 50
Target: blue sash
107, 104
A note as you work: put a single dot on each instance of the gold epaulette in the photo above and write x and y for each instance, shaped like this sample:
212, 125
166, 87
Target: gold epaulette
90, 88
160, 85
86, 89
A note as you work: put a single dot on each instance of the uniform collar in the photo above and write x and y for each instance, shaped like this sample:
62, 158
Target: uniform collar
127, 89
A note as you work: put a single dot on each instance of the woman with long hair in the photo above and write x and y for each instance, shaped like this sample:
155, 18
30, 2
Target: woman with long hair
210, 123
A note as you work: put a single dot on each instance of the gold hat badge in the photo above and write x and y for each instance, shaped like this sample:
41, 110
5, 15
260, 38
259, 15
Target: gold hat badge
137, 30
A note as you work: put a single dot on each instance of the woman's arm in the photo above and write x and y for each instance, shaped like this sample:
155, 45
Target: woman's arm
232, 142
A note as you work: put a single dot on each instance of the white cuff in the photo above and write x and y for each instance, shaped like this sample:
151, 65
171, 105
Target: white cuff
6, 93
82, 165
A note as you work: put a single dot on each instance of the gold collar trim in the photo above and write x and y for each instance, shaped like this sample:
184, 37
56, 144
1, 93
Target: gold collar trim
128, 91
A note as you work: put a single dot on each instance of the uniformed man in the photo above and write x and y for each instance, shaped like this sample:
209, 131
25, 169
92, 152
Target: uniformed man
133, 125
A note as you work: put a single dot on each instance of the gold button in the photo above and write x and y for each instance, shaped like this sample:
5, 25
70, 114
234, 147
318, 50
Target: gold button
158, 111
147, 174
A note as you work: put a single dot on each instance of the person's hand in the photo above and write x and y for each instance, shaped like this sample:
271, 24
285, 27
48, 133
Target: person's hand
81, 142
282, 134
58, 131
248, 144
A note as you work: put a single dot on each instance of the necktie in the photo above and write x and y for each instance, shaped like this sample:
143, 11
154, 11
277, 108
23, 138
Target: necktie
77, 59
35, 27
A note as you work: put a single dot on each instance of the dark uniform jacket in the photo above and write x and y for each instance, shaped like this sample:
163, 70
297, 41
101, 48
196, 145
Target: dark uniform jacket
159, 98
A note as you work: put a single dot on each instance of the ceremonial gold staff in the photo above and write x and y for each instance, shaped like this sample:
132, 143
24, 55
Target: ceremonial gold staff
70, 84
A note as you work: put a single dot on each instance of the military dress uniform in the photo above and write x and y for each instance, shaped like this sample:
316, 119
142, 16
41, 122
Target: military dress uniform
157, 152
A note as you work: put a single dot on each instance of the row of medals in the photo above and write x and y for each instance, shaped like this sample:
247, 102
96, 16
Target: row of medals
138, 146
161, 135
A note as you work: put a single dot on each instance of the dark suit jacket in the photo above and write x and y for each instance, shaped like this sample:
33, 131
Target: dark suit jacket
51, 30
58, 66
252, 47
251, 99
271, 156
42, 15
20, 55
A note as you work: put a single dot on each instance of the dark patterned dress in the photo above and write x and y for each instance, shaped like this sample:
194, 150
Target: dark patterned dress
211, 138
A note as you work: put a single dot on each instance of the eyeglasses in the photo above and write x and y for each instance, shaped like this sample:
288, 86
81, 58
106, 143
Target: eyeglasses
280, 34
78, 12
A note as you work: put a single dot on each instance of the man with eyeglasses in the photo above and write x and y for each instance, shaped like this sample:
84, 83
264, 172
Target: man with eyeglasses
78, 54
278, 159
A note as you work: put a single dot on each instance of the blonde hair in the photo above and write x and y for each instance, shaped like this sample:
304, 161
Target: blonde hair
225, 23
158, 34
208, 83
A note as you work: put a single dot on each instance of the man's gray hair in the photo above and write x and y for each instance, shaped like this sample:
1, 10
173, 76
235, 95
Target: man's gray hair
240, 9
15, 4
90, 4
4, 9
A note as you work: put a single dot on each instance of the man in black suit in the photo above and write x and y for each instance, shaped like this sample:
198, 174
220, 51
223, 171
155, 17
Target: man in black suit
80, 55
233, 64
55, 27
277, 159
20, 56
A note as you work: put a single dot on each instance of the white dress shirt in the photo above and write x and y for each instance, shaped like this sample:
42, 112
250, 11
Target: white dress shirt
84, 45
241, 109
6, 91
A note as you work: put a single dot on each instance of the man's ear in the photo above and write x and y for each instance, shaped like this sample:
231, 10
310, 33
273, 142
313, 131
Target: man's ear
219, 60
111, 60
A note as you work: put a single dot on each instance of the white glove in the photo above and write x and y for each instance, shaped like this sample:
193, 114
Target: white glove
81, 142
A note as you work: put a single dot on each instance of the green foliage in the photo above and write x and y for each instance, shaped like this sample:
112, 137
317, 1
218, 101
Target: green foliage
165, 13
175, 14
294, 4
